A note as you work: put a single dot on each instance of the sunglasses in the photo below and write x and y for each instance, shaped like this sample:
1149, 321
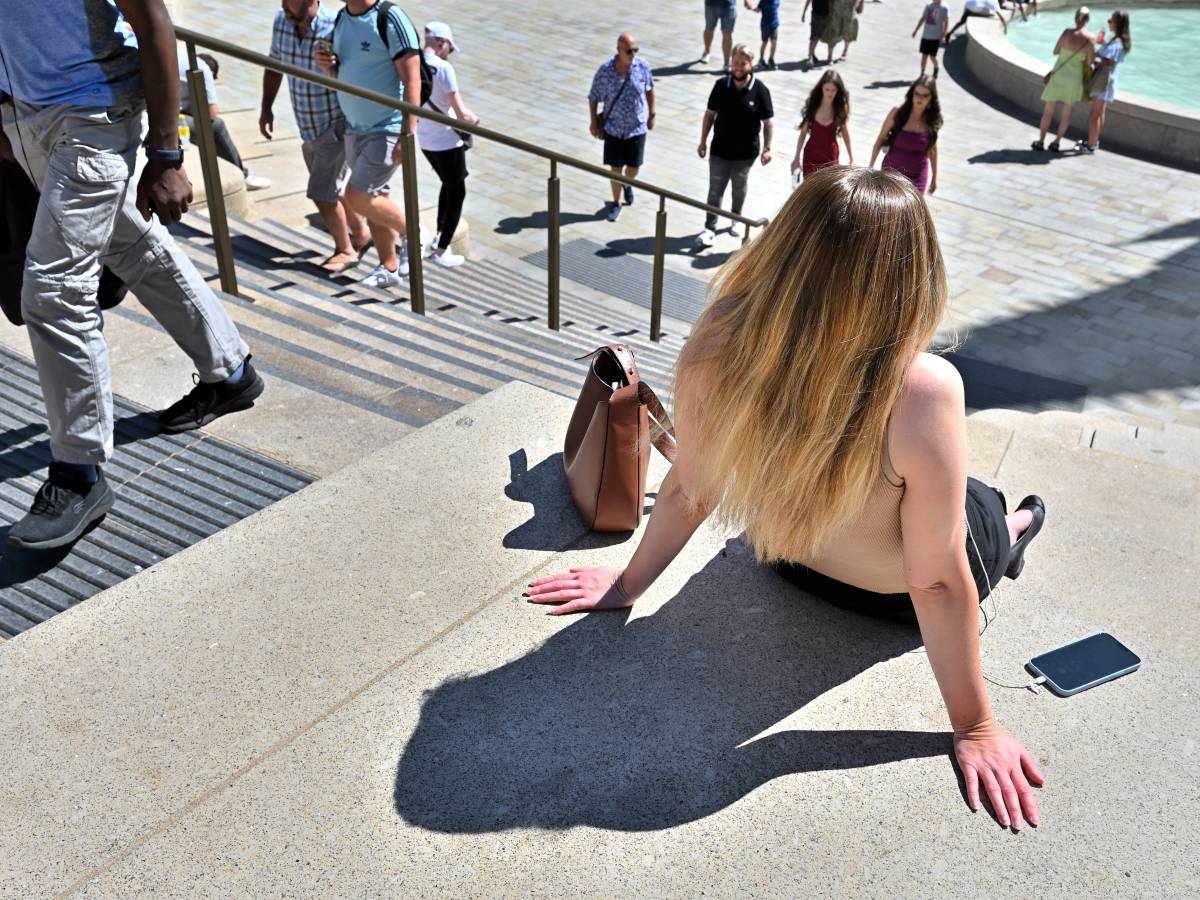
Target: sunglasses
630, 51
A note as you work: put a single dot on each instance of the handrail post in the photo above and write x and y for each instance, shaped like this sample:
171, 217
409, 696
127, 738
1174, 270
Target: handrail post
412, 222
660, 258
554, 250
210, 168
745, 234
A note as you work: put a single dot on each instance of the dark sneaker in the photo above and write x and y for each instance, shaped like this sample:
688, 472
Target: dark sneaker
628, 195
63, 509
207, 402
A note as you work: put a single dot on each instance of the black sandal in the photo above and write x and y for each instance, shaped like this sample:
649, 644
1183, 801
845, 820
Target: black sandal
1055, 147
1016, 556
1038, 145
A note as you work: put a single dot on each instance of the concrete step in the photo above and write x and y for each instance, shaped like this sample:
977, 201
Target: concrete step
1162, 443
488, 344
373, 681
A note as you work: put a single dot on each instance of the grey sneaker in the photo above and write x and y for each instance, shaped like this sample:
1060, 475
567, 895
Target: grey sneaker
614, 212
63, 509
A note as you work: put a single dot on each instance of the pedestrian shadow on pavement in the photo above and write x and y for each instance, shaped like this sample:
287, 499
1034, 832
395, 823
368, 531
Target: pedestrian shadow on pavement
544, 487
886, 85
541, 221
1021, 157
649, 723
675, 246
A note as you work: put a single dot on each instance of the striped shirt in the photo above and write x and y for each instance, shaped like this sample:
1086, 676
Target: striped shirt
316, 107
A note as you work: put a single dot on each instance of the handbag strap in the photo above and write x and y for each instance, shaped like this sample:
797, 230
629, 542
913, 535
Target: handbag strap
1054, 71
662, 429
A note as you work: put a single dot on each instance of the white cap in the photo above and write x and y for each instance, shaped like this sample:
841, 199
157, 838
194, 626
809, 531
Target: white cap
441, 30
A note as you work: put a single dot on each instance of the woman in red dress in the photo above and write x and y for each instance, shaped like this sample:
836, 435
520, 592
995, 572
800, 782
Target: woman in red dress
826, 116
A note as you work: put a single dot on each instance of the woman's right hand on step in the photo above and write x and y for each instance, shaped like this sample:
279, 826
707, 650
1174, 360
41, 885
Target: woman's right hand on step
582, 589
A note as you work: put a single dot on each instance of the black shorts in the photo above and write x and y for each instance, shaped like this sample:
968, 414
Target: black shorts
985, 516
621, 152
450, 165
816, 28
930, 46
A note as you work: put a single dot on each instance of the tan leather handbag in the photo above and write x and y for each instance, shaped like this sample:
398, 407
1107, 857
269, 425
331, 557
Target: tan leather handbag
616, 419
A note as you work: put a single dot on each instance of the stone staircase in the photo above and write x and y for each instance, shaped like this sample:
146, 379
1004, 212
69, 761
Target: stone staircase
485, 321
344, 694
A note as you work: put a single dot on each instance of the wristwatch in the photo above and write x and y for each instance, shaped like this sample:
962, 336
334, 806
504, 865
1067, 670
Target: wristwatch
163, 155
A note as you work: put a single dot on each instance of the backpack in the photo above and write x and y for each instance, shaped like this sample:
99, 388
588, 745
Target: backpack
382, 8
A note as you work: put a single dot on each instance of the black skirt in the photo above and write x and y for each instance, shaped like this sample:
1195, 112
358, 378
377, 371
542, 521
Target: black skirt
985, 516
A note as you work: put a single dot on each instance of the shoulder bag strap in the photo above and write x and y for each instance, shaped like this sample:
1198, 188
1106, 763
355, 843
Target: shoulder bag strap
609, 104
662, 429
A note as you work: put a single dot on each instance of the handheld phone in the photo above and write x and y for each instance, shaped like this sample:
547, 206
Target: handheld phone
1084, 664
325, 46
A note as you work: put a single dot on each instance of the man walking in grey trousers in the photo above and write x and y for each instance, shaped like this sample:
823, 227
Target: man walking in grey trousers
75, 127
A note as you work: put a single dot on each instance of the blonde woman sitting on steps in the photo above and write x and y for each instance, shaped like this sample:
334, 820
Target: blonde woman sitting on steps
809, 416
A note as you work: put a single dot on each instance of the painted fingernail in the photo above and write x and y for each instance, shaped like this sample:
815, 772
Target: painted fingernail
524, 593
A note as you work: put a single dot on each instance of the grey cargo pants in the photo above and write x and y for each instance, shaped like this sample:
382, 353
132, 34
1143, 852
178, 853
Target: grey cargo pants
82, 161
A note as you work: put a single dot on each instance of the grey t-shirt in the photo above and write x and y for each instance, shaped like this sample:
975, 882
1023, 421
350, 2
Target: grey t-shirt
935, 21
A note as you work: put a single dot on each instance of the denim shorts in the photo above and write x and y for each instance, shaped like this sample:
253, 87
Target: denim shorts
369, 157
721, 11
325, 159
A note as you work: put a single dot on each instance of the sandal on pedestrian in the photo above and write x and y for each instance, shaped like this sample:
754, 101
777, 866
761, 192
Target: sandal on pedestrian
362, 249
339, 268
1016, 555
1038, 145
1056, 147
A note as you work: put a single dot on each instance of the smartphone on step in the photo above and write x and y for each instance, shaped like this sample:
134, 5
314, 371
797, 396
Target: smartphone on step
1084, 664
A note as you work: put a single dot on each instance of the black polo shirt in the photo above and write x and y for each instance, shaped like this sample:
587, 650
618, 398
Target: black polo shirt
740, 113
820, 7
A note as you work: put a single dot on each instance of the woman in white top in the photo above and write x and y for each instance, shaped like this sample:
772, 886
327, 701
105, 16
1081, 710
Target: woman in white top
442, 145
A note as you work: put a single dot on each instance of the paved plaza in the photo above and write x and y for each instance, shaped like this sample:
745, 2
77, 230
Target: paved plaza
1078, 268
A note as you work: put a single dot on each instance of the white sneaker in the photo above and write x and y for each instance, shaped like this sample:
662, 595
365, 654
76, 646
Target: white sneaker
382, 278
706, 238
704, 58
431, 247
735, 230
257, 182
448, 260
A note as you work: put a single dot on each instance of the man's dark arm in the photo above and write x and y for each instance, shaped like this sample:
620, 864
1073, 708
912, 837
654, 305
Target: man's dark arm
164, 187
160, 68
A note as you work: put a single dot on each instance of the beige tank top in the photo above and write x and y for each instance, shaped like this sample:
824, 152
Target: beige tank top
869, 553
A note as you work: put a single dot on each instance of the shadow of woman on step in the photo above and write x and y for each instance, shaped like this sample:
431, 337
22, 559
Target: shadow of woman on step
647, 724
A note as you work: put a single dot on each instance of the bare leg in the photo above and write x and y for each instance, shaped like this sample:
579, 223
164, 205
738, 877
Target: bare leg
386, 221
334, 218
846, 51
616, 185
726, 44
924, 62
762, 54
1017, 522
1047, 118
708, 36
357, 225
774, 44
1096, 121
1064, 119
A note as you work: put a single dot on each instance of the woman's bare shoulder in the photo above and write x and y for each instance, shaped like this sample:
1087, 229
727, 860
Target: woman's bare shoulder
929, 413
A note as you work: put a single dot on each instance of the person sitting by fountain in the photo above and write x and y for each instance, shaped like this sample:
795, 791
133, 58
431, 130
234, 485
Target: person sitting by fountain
981, 9
1068, 80
809, 416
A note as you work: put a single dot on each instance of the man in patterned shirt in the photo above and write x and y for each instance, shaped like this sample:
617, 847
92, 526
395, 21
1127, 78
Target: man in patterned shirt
299, 26
625, 87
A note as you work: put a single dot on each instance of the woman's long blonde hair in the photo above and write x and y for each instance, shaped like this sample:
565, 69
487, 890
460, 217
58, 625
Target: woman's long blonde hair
793, 369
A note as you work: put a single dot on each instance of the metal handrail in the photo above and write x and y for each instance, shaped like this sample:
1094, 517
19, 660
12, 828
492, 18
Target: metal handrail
408, 148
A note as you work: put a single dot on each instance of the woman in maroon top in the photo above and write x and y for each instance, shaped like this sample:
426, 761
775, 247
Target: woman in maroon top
910, 134
826, 115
